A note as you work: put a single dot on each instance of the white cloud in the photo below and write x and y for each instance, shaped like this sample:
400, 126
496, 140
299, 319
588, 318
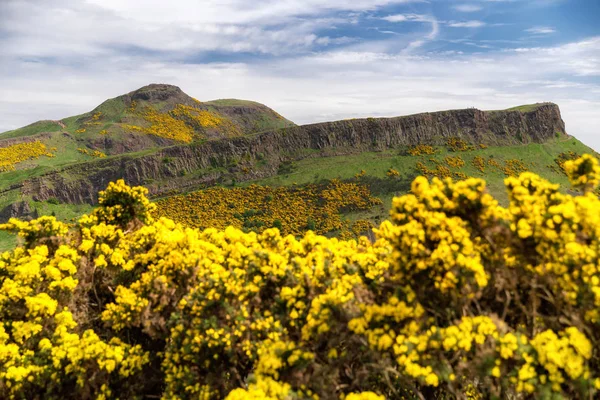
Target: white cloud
468, 8
74, 29
88, 52
395, 18
329, 85
408, 17
541, 30
466, 24
430, 36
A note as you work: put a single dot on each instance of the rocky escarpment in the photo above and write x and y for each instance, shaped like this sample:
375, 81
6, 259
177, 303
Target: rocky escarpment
260, 155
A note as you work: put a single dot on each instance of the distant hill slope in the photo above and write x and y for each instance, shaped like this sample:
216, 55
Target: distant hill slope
257, 156
153, 116
161, 138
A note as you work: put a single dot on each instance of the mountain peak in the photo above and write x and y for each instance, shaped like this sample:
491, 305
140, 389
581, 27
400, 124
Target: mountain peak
157, 92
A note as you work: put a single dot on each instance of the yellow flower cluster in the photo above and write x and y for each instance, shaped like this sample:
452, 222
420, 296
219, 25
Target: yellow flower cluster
95, 153
479, 163
43, 351
457, 297
440, 171
584, 172
454, 161
163, 125
256, 208
513, 167
94, 120
559, 161
392, 173
205, 119
17, 153
182, 123
167, 126
421, 149
458, 144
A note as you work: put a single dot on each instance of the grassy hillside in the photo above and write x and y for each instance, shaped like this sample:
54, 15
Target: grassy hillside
151, 117
536, 157
142, 122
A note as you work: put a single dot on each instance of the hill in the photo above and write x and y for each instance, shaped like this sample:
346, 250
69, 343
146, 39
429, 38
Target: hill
173, 144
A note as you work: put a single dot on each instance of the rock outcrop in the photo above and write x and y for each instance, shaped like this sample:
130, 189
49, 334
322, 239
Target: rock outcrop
259, 155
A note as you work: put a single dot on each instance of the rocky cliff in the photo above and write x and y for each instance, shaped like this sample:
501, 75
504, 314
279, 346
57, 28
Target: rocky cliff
259, 155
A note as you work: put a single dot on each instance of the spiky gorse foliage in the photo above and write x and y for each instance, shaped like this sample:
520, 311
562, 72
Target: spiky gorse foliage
458, 297
12, 155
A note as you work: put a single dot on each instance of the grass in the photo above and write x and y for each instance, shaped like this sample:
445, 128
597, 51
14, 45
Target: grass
232, 103
66, 154
376, 164
526, 107
63, 212
314, 169
32, 129
7, 241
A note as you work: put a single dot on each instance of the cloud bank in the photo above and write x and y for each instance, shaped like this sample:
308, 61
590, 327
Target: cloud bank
310, 60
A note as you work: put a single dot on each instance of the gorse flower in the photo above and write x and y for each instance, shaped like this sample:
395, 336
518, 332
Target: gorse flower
457, 297
17, 153
257, 208
584, 172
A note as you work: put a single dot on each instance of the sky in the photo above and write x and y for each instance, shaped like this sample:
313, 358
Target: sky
312, 61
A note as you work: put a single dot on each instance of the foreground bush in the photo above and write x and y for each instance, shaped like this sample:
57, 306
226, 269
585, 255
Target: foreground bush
458, 297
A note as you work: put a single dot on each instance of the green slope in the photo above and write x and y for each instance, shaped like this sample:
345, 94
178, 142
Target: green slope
539, 158
140, 120
105, 129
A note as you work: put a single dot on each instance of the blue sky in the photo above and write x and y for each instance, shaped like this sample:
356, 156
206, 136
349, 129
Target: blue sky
310, 60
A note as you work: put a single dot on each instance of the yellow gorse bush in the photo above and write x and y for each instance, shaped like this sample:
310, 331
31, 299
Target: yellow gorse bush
421, 149
457, 297
92, 153
315, 207
181, 122
454, 161
458, 144
17, 153
205, 119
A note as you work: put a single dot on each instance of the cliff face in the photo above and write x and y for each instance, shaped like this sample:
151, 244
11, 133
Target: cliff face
256, 156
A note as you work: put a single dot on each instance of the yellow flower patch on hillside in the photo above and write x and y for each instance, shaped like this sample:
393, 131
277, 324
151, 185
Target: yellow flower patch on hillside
179, 123
92, 153
454, 161
256, 208
206, 119
16, 153
165, 125
421, 149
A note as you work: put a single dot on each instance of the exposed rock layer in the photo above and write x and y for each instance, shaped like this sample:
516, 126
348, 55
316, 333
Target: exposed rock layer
259, 155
